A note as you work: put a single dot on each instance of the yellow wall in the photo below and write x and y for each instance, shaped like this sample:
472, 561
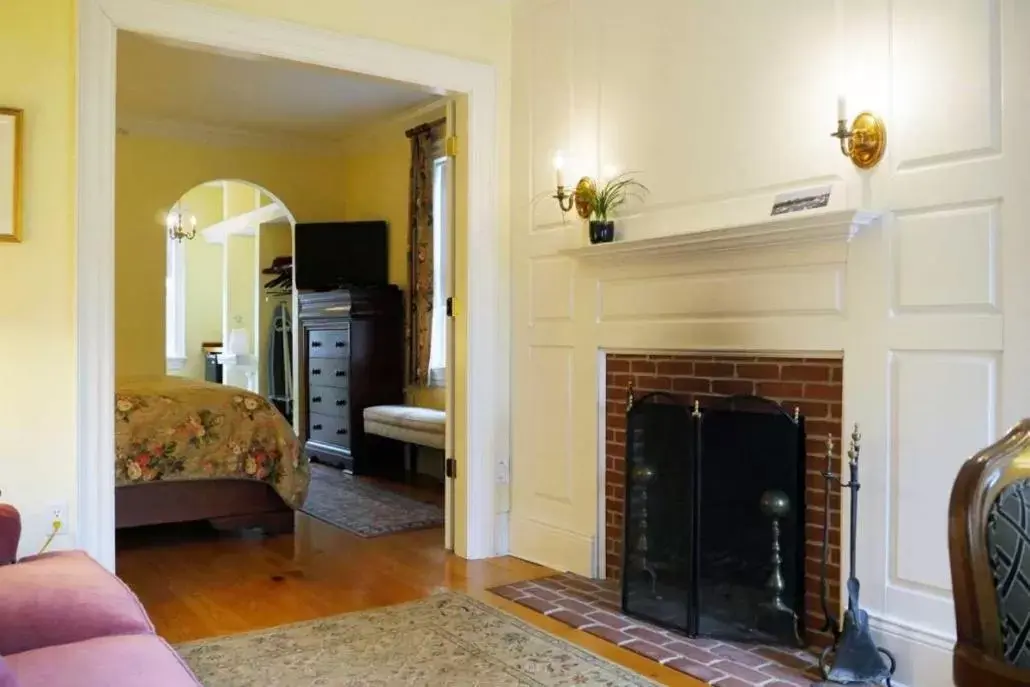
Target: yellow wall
240, 198
241, 296
37, 276
37, 72
374, 184
203, 279
151, 174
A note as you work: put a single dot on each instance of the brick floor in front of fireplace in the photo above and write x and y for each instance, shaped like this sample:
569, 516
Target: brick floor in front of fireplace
593, 606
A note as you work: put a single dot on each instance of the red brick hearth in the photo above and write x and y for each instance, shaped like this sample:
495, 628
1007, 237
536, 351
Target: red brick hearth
812, 385
593, 607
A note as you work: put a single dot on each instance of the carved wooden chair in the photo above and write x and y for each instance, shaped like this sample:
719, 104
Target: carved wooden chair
989, 541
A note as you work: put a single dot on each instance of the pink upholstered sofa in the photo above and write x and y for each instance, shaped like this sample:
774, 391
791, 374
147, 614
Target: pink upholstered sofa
67, 622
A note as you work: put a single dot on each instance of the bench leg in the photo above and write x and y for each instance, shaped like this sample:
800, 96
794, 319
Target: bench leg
410, 462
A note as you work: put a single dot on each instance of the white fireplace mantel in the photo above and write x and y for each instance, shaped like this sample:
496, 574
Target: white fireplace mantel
835, 226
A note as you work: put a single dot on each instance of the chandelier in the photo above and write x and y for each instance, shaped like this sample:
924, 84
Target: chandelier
181, 224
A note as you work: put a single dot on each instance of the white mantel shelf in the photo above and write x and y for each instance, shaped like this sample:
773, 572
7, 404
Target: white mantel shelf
835, 226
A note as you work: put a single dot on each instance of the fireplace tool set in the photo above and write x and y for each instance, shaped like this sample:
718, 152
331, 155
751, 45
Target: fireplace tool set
854, 657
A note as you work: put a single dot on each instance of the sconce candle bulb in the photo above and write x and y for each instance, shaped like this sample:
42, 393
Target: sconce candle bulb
559, 170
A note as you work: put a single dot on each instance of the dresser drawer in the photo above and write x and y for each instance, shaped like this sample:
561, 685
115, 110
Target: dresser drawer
329, 372
329, 343
329, 400
329, 429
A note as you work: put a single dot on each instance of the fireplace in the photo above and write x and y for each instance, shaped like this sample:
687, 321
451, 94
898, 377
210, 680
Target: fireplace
715, 515
814, 385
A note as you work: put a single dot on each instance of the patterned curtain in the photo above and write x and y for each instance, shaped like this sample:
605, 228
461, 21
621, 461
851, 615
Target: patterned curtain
420, 252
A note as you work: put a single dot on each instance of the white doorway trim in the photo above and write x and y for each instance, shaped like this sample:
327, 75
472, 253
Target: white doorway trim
487, 309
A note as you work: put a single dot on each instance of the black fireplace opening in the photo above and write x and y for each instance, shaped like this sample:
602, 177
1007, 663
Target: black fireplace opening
714, 520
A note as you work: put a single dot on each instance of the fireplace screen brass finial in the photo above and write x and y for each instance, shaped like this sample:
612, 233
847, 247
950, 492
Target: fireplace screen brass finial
629, 397
856, 445
797, 415
697, 408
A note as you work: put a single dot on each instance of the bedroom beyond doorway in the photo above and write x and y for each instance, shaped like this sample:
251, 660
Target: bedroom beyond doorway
298, 295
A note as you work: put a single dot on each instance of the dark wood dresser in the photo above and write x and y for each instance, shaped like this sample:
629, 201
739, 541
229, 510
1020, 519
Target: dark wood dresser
352, 357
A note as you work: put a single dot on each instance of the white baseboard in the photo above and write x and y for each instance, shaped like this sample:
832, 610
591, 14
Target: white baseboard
924, 655
553, 547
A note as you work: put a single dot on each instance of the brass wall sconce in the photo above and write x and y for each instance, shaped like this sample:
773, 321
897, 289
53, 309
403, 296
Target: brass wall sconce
866, 140
579, 198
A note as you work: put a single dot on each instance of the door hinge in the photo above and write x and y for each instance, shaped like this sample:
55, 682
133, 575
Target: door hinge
451, 468
451, 146
450, 307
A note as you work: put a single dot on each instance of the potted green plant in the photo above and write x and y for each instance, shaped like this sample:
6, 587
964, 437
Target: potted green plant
604, 201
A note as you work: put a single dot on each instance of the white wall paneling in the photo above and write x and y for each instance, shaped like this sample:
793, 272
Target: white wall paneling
947, 260
930, 390
946, 71
720, 106
551, 285
768, 293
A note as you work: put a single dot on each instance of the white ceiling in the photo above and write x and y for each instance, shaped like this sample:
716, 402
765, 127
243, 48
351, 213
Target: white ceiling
162, 81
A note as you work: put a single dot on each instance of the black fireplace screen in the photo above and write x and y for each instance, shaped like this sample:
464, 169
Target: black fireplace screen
714, 522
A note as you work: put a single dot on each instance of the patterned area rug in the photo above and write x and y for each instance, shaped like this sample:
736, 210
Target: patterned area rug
448, 639
363, 508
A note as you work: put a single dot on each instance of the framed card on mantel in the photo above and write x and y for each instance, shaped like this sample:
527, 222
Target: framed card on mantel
10, 174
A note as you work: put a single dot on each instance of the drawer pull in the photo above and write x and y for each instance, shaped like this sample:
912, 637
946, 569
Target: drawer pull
341, 344
316, 344
316, 427
341, 402
341, 431
316, 371
316, 399
341, 373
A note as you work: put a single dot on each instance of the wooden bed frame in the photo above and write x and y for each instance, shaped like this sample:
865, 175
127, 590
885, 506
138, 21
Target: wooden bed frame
226, 503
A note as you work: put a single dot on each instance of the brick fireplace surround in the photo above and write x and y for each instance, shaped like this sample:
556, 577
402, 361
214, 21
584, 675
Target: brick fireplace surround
813, 385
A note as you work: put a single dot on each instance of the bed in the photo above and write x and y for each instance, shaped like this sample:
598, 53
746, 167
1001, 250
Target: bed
189, 450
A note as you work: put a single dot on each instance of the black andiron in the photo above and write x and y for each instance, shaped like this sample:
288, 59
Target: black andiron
854, 657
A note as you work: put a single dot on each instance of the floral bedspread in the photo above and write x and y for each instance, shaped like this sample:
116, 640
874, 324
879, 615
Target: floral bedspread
171, 428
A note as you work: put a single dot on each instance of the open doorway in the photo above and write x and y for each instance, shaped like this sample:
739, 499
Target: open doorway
480, 412
313, 336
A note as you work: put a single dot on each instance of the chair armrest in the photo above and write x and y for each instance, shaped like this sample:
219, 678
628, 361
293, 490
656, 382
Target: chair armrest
61, 598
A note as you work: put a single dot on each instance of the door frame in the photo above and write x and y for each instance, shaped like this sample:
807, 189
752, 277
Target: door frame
479, 530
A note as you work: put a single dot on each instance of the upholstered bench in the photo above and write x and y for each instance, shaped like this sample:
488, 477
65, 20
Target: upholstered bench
411, 425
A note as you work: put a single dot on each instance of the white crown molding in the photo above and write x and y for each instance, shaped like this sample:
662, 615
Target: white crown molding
245, 224
838, 226
225, 136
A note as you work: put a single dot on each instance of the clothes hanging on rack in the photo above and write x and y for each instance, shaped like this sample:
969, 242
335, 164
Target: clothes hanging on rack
282, 268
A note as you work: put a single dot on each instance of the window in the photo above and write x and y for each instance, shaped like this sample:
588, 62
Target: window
438, 335
175, 305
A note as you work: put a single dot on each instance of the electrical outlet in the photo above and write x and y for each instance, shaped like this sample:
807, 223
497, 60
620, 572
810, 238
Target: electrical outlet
57, 511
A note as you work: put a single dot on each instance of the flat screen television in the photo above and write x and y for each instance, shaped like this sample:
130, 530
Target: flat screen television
330, 255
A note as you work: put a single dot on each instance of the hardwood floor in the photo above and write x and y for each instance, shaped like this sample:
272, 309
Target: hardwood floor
203, 585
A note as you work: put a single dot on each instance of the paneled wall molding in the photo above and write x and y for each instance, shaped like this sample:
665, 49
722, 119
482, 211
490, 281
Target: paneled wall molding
839, 226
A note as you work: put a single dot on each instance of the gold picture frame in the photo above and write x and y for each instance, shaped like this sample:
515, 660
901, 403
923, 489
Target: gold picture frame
11, 128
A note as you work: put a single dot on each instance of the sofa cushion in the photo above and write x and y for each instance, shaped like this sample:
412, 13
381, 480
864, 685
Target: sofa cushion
129, 660
61, 598
423, 426
7, 678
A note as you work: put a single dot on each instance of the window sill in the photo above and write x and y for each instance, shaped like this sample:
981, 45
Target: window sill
175, 364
